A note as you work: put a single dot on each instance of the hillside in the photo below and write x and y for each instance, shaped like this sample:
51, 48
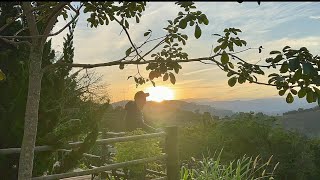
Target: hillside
270, 106
305, 121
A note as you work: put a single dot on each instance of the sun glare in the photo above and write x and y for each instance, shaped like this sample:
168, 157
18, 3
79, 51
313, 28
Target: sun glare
159, 93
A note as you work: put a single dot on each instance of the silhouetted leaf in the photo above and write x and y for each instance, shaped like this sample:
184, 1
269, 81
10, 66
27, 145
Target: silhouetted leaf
224, 58
282, 92
128, 51
275, 52
317, 91
165, 77
294, 64
232, 81
285, 48
289, 98
308, 68
284, 67
121, 66
310, 96
216, 49
147, 33
183, 24
293, 91
197, 32
172, 78
302, 92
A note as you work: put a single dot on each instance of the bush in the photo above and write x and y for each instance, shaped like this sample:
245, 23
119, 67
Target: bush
255, 135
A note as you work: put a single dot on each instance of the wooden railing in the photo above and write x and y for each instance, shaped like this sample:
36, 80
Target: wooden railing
170, 156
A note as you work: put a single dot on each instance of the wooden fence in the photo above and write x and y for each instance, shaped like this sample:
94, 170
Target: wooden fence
170, 156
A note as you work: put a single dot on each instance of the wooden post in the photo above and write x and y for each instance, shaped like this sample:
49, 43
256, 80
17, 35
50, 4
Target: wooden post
173, 168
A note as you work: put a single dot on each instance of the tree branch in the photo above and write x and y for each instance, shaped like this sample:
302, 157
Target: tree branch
14, 43
53, 18
128, 35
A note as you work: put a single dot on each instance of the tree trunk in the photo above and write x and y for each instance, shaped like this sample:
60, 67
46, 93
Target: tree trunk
31, 113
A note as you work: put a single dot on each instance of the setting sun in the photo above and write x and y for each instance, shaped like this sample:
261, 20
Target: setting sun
159, 93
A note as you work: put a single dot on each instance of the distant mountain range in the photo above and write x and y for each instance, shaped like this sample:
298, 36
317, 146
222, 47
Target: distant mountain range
182, 105
269, 106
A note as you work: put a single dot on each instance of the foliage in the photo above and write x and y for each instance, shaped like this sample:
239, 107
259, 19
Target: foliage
61, 94
139, 149
243, 168
254, 134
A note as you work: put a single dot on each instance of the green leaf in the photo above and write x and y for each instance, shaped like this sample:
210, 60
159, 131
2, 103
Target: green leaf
231, 65
293, 91
126, 24
216, 49
128, 51
294, 64
232, 81
172, 78
275, 52
285, 48
183, 24
230, 73
153, 83
308, 68
297, 75
137, 19
241, 79
282, 92
165, 77
317, 91
147, 33
121, 66
197, 32
2, 76
289, 98
302, 92
310, 96
224, 58
284, 67
205, 19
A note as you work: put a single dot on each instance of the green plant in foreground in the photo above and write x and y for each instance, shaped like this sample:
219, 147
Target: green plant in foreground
241, 169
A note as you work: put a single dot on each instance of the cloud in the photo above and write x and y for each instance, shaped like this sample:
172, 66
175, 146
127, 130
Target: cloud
261, 25
314, 17
199, 71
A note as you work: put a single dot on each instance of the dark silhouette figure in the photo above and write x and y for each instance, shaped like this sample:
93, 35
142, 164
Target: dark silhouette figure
134, 116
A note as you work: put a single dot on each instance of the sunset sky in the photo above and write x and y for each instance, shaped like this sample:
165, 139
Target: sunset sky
272, 25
